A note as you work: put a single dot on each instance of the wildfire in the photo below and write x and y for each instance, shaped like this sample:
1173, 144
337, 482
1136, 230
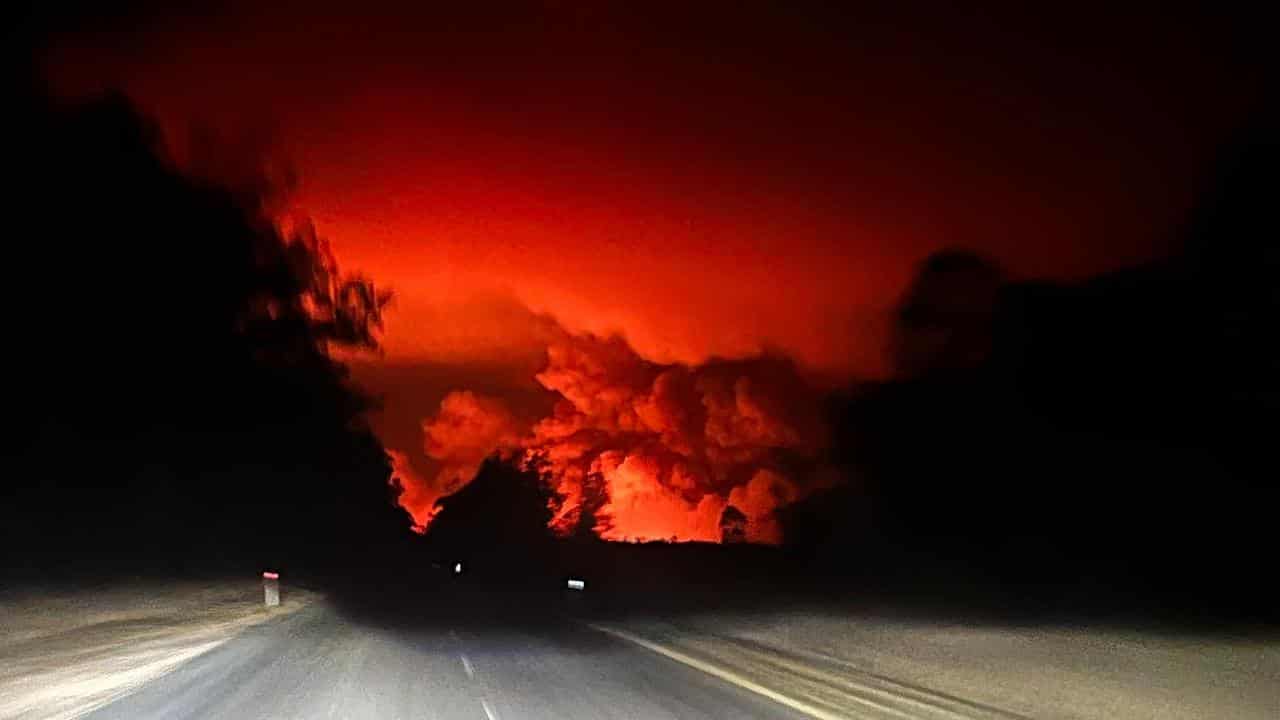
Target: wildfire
639, 451
416, 496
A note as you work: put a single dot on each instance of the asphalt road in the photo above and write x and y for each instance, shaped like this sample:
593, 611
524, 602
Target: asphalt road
323, 662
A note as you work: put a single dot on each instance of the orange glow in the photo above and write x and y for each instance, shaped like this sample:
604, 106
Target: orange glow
416, 495
646, 451
740, 222
641, 507
624, 182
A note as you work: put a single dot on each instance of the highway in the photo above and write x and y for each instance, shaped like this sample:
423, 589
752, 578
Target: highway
475, 663
466, 651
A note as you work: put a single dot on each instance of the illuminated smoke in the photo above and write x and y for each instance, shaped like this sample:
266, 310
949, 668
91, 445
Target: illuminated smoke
639, 451
416, 495
467, 429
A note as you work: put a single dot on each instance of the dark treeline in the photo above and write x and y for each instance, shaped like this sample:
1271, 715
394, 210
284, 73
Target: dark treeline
1104, 439
1092, 446
501, 515
171, 399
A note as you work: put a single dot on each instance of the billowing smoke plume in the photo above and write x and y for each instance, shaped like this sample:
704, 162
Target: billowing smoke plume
467, 429
417, 496
638, 451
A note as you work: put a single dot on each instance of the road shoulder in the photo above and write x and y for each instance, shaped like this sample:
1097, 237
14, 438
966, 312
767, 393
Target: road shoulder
70, 654
821, 688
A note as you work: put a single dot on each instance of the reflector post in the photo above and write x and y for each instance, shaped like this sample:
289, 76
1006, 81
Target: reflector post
271, 588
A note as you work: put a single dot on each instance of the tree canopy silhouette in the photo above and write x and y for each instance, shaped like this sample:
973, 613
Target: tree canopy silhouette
1114, 431
501, 514
174, 386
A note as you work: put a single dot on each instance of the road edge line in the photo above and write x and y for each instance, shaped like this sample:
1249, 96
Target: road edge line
718, 672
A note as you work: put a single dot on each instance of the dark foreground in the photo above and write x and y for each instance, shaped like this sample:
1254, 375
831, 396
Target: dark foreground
386, 643
484, 662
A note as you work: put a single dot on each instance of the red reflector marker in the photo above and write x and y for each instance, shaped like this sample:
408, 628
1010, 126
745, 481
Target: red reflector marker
271, 576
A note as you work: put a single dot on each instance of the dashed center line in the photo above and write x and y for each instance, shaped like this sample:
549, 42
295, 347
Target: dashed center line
488, 711
466, 665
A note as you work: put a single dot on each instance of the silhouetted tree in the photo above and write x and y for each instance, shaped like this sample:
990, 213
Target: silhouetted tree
174, 391
945, 320
1114, 431
733, 525
502, 514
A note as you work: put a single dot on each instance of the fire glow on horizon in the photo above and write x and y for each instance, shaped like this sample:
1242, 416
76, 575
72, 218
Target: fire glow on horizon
599, 166
638, 451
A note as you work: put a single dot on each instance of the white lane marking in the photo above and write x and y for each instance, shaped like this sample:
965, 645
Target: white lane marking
488, 711
466, 665
733, 678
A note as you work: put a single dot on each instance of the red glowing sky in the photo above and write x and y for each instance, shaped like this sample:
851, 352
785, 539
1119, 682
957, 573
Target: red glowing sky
707, 182
710, 182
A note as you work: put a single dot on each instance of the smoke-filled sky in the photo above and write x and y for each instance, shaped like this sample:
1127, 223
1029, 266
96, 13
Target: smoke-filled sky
742, 181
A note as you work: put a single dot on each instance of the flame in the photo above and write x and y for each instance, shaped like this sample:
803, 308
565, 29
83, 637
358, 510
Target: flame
642, 507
